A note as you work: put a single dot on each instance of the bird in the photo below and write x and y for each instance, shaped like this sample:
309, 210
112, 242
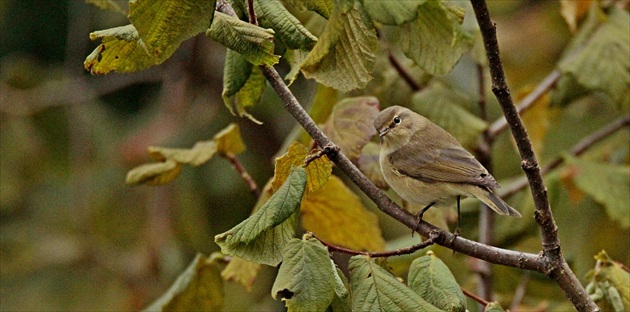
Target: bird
426, 165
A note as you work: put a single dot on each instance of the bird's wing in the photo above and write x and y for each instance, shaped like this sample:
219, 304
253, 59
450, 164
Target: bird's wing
446, 163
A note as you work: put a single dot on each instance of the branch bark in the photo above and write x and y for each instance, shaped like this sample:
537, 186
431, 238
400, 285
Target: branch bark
556, 266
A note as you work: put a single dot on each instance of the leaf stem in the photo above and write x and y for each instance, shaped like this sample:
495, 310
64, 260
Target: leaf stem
475, 297
244, 174
556, 266
403, 73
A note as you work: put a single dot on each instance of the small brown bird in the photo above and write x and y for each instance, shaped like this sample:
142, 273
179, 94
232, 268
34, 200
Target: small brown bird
426, 165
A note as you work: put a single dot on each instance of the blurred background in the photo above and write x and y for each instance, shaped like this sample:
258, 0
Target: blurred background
74, 236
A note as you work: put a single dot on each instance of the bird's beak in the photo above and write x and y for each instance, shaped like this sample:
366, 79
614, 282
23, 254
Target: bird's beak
383, 132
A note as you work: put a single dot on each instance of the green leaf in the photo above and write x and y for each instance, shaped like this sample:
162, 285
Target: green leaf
599, 60
392, 12
342, 301
343, 58
445, 107
262, 236
154, 173
321, 7
199, 154
435, 40
351, 124
198, 288
493, 307
243, 85
610, 284
306, 280
254, 43
272, 14
607, 184
121, 51
375, 289
164, 24
430, 278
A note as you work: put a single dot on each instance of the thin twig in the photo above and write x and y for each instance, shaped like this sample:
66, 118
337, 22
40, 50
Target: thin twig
327, 150
381, 254
244, 174
475, 297
557, 268
576, 150
545, 85
403, 73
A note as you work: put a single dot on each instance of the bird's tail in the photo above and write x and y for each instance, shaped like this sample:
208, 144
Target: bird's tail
495, 203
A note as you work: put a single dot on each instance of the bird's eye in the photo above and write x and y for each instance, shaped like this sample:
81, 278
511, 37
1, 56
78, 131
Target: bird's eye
397, 120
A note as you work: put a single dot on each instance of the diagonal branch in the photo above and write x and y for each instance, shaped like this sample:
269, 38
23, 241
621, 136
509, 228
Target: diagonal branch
577, 150
491, 254
557, 268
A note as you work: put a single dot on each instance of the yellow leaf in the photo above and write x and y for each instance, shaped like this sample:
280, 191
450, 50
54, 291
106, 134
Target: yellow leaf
229, 140
536, 119
573, 10
566, 179
336, 215
317, 172
241, 271
154, 173
199, 154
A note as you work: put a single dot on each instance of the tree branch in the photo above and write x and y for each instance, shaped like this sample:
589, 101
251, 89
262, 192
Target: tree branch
403, 73
545, 85
556, 266
491, 254
243, 173
576, 150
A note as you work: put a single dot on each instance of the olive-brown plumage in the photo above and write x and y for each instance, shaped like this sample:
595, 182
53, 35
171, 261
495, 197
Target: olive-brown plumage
426, 165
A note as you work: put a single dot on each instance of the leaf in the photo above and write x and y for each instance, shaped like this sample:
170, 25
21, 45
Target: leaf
235, 75
317, 172
306, 280
164, 24
262, 236
121, 51
445, 107
351, 124
375, 289
599, 58
353, 225
229, 140
369, 164
342, 301
435, 40
493, 307
199, 154
573, 10
154, 174
343, 58
392, 12
241, 271
272, 14
108, 5
322, 7
430, 278
254, 43
607, 184
610, 284
198, 288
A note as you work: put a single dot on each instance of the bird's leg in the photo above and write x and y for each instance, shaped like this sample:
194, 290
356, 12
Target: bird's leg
459, 215
419, 217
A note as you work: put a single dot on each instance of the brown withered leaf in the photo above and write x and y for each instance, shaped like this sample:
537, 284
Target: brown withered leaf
351, 124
